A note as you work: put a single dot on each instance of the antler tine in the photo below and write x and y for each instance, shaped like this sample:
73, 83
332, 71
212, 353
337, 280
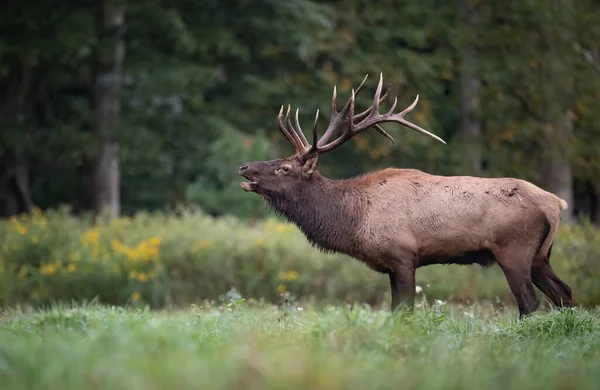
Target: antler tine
351, 116
296, 133
333, 101
289, 135
399, 118
355, 93
394, 107
361, 84
381, 131
289, 127
375, 106
313, 147
409, 108
299, 131
282, 127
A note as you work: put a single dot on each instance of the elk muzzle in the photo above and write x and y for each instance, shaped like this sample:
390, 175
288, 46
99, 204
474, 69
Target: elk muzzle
246, 172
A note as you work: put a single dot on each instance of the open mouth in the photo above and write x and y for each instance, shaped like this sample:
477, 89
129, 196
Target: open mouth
248, 186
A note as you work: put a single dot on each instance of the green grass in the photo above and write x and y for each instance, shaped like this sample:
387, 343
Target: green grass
254, 346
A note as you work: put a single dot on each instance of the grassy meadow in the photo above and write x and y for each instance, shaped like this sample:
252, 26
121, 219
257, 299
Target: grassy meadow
261, 346
187, 301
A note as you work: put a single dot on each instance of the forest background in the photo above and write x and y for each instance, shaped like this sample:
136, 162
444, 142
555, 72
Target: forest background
135, 107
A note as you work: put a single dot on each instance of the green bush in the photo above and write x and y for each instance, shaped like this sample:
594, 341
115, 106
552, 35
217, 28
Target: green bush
187, 257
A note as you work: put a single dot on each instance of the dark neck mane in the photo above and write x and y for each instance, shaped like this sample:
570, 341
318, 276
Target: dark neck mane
327, 211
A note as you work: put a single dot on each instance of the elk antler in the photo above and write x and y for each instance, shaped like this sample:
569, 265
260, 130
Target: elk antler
345, 120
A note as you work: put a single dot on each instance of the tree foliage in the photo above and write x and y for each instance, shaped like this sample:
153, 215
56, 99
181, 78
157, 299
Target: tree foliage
202, 84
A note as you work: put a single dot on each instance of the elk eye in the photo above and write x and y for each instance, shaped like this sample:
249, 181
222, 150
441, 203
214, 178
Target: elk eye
285, 168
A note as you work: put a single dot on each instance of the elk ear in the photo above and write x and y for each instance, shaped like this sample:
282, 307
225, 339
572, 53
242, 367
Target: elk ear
309, 166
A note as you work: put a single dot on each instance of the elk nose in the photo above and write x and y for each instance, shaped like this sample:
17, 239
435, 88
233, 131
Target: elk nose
243, 167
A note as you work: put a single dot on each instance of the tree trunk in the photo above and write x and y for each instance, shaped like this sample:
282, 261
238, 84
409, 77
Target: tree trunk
107, 104
14, 183
470, 99
14, 169
556, 171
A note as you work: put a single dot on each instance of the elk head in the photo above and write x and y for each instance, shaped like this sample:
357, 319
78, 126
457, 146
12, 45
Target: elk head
287, 175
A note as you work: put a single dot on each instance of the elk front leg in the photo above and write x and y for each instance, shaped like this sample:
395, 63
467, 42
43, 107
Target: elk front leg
402, 283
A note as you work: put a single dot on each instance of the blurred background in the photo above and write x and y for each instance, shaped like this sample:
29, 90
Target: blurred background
142, 111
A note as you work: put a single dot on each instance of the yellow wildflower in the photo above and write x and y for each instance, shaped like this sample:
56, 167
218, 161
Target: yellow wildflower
281, 288
118, 246
22, 230
142, 277
139, 276
90, 236
71, 267
35, 240
136, 296
47, 269
144, 251
259, 241
154, 241
289, 275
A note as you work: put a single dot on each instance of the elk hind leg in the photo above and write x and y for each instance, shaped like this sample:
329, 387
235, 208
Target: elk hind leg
518, 276
548, 282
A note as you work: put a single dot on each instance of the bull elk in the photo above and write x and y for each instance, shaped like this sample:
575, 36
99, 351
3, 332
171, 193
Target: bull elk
397, 220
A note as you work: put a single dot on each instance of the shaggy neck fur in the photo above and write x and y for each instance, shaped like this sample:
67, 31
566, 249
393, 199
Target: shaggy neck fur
327, 211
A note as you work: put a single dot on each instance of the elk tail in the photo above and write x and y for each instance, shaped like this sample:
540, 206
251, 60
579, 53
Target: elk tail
563, 204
